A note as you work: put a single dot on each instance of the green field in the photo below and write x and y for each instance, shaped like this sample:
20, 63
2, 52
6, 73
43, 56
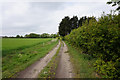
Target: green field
20, 53
13, 43
10, 44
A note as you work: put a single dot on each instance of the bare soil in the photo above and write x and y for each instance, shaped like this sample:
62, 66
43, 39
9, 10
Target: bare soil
33, 70
64, 69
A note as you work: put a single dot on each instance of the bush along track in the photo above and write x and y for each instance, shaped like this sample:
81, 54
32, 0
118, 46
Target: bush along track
14, 63
100, 39
50, 70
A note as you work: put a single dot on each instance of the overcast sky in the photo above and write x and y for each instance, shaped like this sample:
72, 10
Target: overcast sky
44, 17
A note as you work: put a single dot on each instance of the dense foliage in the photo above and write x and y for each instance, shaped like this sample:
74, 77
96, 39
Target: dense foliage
100, 39
68, 24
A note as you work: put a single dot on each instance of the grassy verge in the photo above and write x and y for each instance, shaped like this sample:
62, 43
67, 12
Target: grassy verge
50, 69
82, 63
13, 63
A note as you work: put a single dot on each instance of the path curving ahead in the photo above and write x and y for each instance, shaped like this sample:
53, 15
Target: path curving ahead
33, 70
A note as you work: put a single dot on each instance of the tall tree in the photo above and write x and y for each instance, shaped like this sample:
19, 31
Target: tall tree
64, 26
68, 24
114, 3
82, 21
73, 23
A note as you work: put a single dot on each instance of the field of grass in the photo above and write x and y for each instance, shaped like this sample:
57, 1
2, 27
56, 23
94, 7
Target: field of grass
82, 63
22, 58
11, 44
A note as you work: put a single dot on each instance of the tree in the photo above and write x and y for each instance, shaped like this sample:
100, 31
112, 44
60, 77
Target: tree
26, 36
32, 35
114, 3
45, 35
21, 36
5, 37
53, 36
18, 36
68, 24
64, 26
74, 22
82, 21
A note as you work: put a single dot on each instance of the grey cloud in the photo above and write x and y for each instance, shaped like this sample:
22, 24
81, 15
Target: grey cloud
47, 5
40, 17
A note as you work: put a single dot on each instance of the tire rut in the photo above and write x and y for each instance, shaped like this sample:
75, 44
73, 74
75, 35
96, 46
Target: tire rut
33, 70
64, 69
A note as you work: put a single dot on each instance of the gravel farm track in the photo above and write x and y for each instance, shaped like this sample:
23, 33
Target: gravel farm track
64, 69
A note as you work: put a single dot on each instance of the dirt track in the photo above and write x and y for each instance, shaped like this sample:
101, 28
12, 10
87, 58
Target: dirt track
33, 70
64, 69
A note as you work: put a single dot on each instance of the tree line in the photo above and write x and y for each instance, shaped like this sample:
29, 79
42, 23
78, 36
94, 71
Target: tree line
34, 35
68, 24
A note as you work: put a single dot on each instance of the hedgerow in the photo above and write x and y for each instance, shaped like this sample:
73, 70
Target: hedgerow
100, 39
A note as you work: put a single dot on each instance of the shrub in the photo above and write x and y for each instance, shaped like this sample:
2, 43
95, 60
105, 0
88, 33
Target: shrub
100, 39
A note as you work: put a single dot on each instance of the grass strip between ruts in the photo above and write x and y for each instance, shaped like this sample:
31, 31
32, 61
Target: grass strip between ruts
50, 70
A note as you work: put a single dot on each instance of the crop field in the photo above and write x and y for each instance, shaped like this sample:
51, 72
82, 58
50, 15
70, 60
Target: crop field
13, 43
10, 44
20, 53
